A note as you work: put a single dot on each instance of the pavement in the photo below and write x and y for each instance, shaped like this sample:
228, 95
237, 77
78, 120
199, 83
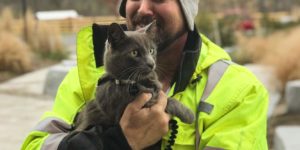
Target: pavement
21, 105
19, 115
287, 137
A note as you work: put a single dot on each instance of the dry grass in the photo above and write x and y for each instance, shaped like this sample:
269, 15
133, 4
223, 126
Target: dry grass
31, 30
250, 49
286, 56
43, 46
44, 39
7, 20
14, 54
48, 42
280, 50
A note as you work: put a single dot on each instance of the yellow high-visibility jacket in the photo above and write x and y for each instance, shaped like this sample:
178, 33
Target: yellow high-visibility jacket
238, 120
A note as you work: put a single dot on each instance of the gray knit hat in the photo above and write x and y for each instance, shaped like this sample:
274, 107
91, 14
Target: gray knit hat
189, 7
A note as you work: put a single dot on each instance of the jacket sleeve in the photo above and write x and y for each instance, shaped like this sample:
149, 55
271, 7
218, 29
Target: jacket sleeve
54, 129
242, 123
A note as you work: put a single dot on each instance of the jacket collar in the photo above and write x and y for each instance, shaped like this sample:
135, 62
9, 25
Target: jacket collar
189, 61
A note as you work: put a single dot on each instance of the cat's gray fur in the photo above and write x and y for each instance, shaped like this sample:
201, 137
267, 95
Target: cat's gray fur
121, 63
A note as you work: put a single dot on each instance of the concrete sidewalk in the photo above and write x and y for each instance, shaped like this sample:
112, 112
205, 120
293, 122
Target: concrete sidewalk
22, 103
19, 114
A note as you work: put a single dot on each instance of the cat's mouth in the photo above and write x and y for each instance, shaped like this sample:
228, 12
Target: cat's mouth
144, 74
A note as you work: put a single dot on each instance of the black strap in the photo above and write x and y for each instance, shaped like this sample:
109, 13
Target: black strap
104, 79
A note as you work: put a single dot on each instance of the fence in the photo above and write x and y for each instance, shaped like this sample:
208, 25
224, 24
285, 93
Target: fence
73, 25
70, 25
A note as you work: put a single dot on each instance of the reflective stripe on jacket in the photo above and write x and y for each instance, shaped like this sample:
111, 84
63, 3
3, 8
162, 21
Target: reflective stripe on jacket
238, 120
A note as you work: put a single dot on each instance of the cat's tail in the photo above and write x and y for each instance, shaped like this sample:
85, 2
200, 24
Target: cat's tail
175, 108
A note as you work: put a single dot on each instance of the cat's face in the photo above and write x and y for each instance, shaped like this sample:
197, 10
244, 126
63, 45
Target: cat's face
131, 54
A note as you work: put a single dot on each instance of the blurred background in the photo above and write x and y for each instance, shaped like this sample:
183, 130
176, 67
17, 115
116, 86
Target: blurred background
38, 47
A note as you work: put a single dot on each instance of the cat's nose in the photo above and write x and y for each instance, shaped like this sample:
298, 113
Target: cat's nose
151, 65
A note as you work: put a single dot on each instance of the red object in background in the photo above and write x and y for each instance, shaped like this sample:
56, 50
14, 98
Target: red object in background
247, 25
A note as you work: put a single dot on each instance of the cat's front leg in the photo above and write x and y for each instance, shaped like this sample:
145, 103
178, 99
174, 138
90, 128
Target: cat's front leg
175, 108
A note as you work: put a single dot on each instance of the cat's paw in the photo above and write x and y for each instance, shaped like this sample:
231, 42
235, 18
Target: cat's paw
176, 108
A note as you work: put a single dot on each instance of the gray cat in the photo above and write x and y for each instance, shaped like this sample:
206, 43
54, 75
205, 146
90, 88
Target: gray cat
129, 62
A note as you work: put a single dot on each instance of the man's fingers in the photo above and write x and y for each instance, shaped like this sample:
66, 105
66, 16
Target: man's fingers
140, 101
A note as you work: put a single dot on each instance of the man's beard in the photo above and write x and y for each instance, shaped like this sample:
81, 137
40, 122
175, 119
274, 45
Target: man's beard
161, 37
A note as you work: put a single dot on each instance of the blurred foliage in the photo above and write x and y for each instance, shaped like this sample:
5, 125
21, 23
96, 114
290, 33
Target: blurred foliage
271, 26
18, 55
280, 49
226, 27
15, 54
83, 7
204, 24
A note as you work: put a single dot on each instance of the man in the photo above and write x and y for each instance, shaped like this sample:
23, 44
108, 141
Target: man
233, 115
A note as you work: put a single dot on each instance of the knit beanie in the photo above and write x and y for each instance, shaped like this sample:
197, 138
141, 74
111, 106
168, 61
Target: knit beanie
189, 7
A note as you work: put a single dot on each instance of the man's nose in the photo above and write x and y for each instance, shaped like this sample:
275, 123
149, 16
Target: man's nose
146, 8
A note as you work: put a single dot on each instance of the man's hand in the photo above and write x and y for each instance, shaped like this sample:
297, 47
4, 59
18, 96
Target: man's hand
143, 127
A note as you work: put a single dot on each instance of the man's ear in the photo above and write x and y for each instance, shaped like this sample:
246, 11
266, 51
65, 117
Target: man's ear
115, 34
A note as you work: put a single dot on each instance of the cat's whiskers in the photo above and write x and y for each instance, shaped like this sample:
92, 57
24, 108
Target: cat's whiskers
135, 74
141, 74
126, 71
132, 74
161, 71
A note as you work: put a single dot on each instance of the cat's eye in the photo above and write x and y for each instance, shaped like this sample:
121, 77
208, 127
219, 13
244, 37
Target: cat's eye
134, 53
151, 50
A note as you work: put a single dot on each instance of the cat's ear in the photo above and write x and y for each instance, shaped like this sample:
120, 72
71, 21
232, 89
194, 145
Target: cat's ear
151, 29
115, 33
